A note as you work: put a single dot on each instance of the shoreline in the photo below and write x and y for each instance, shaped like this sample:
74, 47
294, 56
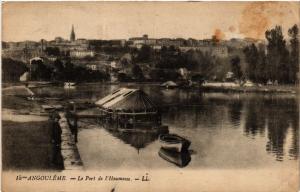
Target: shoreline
254, 89
292, 89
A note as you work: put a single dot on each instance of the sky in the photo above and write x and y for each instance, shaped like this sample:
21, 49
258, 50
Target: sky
121, 20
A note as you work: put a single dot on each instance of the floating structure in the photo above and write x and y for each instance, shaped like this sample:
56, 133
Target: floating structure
129, 110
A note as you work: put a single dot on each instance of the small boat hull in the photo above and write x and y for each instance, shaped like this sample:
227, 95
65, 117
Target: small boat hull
179, 159
174, 142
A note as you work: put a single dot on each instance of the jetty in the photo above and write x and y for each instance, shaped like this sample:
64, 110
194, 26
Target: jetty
69, 150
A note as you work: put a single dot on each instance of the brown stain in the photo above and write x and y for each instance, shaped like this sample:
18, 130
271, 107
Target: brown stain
257, 18
218, 35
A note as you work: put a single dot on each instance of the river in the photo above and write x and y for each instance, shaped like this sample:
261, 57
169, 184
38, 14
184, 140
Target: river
226, 130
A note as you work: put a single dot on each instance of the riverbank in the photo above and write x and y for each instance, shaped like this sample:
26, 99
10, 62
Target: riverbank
27, 146
292, 89
28, 142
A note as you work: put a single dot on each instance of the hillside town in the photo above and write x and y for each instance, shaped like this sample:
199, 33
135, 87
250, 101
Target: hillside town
136, 58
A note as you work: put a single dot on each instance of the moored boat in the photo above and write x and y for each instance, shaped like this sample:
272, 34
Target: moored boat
179, 159
174, 142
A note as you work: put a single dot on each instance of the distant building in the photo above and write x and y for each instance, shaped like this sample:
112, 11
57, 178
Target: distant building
167, 42
93, 67
76, 47
138, 42
82, 53
218, 51
81, 41
51, 58
118, 42
156, 47
139, 46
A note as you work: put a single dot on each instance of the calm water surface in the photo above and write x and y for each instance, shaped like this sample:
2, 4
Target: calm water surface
226, 130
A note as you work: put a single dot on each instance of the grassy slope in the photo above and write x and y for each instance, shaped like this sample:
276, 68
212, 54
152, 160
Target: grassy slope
28, 146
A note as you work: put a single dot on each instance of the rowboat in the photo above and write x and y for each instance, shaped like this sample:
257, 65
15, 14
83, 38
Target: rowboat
179, 159
174, 142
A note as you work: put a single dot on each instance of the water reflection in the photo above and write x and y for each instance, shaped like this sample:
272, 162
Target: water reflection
235, 112
276, 116
257, 115
138, 140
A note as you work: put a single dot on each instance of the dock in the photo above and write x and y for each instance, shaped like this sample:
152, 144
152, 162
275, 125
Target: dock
69, 150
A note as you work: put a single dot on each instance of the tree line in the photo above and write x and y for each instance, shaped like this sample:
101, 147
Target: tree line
65, 71
274, 62
54, 71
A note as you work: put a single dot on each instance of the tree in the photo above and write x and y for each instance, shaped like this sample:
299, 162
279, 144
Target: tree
122, 77
58, 71
137, 72
261, 65
12, 70
157, 74
236, 67
294, 55
52, 51
251, 56
40, 71
277, 56
144, 54
170, 58
69, 71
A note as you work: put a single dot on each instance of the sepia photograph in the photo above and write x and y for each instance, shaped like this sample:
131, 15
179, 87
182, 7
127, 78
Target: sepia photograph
150, 96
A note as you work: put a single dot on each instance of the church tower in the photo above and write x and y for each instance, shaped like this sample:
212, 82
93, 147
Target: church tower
72, 36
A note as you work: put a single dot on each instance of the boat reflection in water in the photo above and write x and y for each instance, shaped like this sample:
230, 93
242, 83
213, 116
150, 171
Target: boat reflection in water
180, 159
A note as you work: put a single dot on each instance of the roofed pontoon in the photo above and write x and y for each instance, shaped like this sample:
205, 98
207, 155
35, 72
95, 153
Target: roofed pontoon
129, 108
127, 100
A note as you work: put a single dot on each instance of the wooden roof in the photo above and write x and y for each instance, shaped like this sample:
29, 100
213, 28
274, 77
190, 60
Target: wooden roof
125, 99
